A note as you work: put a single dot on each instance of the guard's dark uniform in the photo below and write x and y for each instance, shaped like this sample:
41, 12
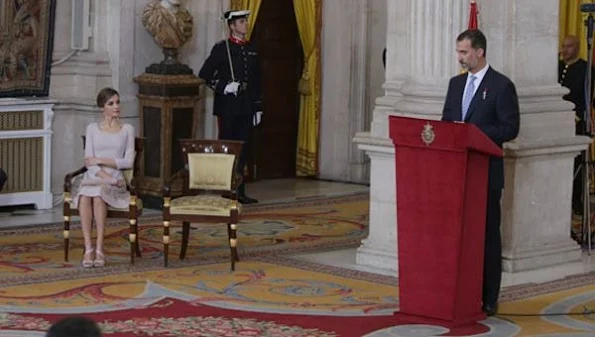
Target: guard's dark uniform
574, 76
235, 112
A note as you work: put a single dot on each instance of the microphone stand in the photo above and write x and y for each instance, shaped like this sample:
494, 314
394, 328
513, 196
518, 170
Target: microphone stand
586, 225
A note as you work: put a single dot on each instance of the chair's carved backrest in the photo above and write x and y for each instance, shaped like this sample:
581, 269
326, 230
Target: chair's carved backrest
138, 149
210, 165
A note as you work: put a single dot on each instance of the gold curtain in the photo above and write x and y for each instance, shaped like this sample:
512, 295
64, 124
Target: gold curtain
252, 6
308, 17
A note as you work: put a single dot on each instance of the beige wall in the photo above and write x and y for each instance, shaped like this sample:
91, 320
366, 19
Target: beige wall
121, 49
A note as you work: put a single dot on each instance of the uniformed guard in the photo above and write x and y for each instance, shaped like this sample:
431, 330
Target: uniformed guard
572, 74
232, 70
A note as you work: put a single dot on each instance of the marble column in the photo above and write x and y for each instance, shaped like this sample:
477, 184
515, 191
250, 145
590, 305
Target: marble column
419, 62
351, 69
539, 163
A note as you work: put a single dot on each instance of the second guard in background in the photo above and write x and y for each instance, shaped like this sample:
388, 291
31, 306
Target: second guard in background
232, 70
572, 74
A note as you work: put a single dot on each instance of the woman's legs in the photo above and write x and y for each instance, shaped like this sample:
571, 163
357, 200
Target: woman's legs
100, 214
86, 215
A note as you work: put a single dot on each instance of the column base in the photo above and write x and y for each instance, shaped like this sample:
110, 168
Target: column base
532, 258
536, 204
547, 274
379, 251
378, 261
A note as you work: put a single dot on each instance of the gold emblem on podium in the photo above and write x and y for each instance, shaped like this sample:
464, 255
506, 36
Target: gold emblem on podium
427, 134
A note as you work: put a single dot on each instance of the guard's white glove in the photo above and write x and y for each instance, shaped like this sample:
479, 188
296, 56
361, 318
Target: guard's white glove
256, 118
232, 88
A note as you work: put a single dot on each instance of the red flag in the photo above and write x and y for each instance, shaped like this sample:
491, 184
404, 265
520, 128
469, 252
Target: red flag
473, 24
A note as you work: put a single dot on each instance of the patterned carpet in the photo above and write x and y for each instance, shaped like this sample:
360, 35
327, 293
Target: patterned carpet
35, 253
275, 296
269, 294
263, 297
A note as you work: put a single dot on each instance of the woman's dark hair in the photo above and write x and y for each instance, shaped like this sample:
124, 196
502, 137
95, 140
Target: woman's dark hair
74, 327
104, 95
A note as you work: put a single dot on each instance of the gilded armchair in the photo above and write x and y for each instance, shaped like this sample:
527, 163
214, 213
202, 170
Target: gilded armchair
210, 181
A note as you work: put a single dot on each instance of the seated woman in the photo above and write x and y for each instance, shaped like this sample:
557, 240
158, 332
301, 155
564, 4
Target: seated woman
109, 147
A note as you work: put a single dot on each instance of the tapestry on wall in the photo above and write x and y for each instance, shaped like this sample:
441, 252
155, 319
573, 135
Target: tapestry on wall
26, 43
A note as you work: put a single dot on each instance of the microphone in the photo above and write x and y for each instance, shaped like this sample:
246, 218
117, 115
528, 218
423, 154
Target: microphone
588, 7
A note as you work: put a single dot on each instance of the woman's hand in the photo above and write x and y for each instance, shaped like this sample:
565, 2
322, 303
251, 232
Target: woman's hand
91, 161
121, 183
117, 182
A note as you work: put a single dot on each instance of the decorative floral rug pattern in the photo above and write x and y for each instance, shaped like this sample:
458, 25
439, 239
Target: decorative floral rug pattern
36, 253
269, 294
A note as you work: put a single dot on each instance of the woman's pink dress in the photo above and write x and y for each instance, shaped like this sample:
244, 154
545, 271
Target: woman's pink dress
118, 146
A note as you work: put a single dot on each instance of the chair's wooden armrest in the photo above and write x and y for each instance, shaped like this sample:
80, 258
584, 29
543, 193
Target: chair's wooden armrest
167, 189
133, 186
68, 178
176, 177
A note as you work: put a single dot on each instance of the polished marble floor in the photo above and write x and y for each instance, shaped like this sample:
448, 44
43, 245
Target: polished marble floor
271, 191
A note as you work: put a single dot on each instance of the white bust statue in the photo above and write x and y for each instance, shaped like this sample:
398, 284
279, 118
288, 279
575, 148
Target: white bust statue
168, 22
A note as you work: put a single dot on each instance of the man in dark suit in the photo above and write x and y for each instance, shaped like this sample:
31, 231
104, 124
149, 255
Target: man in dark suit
238, 96
488, 99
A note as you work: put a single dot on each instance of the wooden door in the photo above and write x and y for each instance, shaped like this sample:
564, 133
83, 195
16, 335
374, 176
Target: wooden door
275, 139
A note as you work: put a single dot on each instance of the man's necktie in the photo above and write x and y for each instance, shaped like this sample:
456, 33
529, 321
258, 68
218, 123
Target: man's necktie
468, 96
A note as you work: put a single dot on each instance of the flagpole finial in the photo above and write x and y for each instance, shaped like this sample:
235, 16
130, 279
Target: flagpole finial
472, 1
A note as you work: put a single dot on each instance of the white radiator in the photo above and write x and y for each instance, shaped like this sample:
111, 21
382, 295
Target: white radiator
25, 151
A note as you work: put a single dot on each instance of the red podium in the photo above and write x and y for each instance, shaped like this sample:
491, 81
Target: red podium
442, 176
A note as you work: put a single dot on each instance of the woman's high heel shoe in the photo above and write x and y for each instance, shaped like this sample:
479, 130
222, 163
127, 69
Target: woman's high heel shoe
99, 259
88, 259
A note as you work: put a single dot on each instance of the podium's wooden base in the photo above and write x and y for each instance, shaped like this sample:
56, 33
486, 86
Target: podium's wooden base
168, 112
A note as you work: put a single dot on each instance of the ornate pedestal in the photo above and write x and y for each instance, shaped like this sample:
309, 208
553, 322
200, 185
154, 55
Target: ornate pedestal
25, 151
168, 112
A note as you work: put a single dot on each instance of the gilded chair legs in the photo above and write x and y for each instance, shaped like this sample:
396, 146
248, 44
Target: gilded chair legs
165, 242
185, 237
66, 235
137, 246
66, 232
133, 238
134, 241
231, 231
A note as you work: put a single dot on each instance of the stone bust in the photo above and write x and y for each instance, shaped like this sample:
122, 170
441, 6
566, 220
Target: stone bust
168, 22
